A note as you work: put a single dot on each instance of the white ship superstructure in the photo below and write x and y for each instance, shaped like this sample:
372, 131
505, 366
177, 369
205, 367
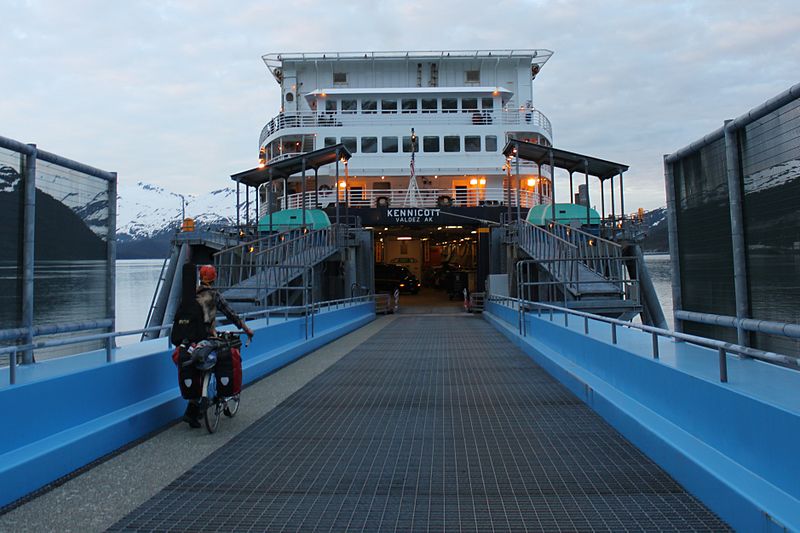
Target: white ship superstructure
462, 106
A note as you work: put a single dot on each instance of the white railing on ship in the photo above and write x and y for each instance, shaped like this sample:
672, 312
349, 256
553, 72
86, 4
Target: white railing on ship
328, 119
430, 198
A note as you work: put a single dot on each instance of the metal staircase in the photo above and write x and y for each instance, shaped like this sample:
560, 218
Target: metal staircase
249, 273
579, 269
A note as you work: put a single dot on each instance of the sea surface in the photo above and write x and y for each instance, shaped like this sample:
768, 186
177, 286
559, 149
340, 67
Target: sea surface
66, 286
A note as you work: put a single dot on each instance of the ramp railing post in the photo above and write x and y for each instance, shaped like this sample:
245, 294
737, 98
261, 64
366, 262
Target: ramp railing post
655, 345
723, 366
613, 333
586, 325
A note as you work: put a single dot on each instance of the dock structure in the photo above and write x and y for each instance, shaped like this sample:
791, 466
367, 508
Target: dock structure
433, 422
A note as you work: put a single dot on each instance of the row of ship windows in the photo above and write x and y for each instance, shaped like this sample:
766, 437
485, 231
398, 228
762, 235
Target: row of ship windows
430, 143
410, 105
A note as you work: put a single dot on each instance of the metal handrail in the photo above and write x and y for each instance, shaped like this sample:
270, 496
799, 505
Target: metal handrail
723, 348
309, 311
316, 119
601, 256
266, 257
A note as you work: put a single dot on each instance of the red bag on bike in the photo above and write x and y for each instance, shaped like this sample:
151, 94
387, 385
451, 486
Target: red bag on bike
229, 372
190, 379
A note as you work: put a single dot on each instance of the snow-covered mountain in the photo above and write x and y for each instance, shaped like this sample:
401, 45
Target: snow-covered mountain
146, 211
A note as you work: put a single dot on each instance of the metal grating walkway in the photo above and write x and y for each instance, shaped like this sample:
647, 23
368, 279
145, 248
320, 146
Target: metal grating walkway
435, 423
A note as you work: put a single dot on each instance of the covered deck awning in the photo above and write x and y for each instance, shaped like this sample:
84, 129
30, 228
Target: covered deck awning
286, 168
573, 162
570, 161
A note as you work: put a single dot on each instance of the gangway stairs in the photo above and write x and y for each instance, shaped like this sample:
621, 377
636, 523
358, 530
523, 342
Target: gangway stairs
578, 269
249, 273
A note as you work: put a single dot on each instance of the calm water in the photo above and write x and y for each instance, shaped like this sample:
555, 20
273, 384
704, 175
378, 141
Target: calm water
136, 281
68, 284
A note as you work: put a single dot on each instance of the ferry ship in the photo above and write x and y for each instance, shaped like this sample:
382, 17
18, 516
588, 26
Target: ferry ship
426, 130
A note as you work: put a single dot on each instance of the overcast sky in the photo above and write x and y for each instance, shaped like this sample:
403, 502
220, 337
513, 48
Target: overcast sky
174, 92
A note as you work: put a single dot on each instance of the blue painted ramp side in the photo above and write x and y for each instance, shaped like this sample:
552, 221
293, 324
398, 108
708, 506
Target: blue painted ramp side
63, 422
731, 444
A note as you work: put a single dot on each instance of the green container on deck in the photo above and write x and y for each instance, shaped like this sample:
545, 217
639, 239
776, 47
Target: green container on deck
541, 215
293, 218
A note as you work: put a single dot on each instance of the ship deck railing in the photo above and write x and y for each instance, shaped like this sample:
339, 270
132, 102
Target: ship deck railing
425, 198
531, 119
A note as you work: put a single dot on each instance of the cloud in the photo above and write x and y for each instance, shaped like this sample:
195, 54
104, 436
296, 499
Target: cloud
175, 93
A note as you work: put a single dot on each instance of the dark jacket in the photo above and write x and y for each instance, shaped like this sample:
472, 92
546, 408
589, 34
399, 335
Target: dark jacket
212, 302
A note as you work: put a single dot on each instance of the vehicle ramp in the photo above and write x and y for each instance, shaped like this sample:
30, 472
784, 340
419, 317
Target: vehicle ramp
586, 271
248, 273
434, 423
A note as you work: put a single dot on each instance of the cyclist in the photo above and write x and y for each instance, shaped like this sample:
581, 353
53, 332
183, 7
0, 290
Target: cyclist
211, 301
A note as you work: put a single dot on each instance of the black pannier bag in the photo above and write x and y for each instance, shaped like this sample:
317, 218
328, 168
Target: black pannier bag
228, 372
190, 378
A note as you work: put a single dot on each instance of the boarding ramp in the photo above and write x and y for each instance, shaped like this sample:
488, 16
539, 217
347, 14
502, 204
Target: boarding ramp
249, 273
570, 265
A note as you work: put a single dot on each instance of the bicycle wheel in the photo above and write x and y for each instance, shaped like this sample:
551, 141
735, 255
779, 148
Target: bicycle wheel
213, 405
231, 406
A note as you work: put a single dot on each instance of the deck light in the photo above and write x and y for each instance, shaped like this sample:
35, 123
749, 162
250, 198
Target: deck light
385, 229
439, 228
342, 184
495, 92
383, 177
473, 181
531, 182
473, 232
404, 238
482, 181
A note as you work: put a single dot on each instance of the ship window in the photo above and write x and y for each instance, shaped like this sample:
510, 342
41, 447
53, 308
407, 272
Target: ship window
350, 144
330, 105
340, 77
389, 106
487, 103
491, 143
388, 144
349, 106
369, 145
429, 105
407, 144
430, 144
472, 76
289, 97
472, 143
330, 141
469, 104
409, 105
369, 106
449, 105
452, 143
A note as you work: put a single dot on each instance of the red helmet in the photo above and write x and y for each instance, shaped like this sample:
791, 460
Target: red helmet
208, 273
